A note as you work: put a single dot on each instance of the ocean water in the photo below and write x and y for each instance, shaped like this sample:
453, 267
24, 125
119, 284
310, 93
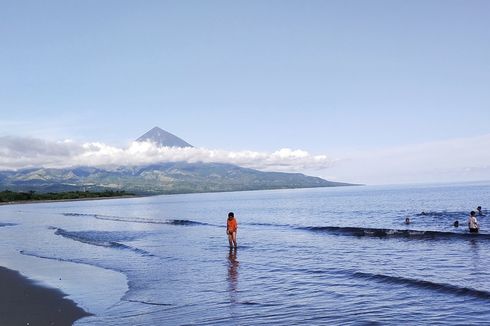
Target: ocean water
310, 256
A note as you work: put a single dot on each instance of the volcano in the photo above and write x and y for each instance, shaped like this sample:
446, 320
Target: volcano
163, 138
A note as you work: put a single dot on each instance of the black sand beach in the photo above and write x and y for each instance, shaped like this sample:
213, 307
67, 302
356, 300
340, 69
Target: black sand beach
22, 302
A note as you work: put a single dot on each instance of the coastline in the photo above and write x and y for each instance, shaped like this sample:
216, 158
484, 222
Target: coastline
21, 202
23, 302
18, 202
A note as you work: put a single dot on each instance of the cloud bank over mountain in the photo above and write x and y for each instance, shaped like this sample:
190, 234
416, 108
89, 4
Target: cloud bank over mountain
463, 159
20, 152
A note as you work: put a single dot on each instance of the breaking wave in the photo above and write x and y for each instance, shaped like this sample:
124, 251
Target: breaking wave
335, 230
441, 287
139, 220
148, 303
404, 233
103, 239
445, 214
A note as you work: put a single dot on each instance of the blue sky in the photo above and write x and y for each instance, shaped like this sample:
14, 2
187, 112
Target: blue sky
347, 79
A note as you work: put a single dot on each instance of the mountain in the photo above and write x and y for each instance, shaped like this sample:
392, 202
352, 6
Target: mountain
163, 138
165, 178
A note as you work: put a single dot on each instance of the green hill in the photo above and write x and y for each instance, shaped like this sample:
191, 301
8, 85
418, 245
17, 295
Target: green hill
165, 178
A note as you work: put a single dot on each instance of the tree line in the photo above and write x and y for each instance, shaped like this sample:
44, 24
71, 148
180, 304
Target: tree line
8, 196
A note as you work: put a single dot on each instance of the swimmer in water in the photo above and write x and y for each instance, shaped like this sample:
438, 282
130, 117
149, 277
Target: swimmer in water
407, 220
480, 213
473, 222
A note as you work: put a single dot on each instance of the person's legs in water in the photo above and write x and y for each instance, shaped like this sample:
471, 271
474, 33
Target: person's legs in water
230, 239
233, 238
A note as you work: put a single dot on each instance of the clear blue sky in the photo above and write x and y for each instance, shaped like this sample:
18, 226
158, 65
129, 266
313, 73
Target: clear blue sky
323, 76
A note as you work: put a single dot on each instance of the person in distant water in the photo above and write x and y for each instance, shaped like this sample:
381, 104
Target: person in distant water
480, 213
473, 223
456, 224
407, 220
231, 228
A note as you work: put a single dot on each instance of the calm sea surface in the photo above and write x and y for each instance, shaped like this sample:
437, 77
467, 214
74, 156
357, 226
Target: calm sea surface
313, 256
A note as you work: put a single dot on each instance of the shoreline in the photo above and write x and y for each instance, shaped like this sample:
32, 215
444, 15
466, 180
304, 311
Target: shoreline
163, 194
21, 202
23, 302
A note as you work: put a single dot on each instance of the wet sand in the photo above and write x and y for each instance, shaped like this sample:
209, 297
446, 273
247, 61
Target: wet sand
22, 302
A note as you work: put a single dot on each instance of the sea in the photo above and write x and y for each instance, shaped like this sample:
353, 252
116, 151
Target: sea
323, 256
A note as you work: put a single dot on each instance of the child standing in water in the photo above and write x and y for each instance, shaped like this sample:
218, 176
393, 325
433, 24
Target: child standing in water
231, 228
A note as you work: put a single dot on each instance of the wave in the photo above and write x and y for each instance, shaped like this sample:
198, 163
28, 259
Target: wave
182, 222
7, 224
443, 214
31, 254
79, 214
335, 230
147, 302
268, 224
102, 239
442, 287
380, 233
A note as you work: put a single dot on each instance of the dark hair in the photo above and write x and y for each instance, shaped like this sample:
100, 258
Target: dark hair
456, 223
479, 207
230, 214
472, 213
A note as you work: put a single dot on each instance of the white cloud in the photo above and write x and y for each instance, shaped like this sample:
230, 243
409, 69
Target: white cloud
464, 159
16, 152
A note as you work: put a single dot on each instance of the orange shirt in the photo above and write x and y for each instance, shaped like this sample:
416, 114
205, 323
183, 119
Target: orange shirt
231, 225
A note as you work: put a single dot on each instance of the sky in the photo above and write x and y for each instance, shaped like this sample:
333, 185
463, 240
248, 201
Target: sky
376, 92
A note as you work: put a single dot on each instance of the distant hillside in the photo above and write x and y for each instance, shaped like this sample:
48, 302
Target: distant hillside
166, 178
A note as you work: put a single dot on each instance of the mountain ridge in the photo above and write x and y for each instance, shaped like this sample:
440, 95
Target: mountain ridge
163, 178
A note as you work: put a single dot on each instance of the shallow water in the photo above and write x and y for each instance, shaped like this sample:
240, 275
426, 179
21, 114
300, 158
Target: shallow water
312, 256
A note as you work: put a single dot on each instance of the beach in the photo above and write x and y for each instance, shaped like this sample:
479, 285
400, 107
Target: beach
325, 256
23, 302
